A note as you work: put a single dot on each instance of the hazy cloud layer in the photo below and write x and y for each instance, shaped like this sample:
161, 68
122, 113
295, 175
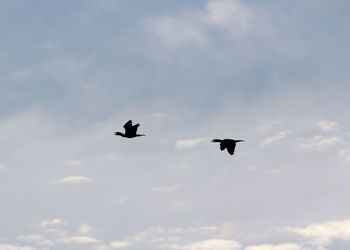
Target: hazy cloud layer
270, 72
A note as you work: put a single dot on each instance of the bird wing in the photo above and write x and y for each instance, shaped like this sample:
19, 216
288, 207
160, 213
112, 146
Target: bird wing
231, 149
222, 146
127, 126
133, 129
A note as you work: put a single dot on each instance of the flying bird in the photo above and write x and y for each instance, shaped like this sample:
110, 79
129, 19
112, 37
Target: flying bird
130, 130
228, 144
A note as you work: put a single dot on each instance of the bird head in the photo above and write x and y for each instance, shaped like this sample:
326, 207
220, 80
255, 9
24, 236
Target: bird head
239, 140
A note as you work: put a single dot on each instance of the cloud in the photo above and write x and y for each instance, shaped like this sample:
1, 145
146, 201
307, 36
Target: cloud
267, 125
31, 237
21, 74
327, 126
190, 143
73, 163
168, 189
80, 240
85, 229
229, 18
82, 125
103, 247
319, 143
322, 234
286, 246
223, 13
119, 244
177, 32
180, 204
213, 244
15, 247
345, 154
36, 239
69, 237
227, 229
277, 137
74, 180
169, 236
51, 223
58, 233
201, 230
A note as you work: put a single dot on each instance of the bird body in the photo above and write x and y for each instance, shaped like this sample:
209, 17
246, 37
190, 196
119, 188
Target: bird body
229, 144
130, 130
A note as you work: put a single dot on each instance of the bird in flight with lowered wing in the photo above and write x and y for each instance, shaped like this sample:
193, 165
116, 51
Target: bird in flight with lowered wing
228, 144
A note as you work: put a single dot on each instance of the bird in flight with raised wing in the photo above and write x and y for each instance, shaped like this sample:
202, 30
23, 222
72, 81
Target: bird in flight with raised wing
228, 144
130, 130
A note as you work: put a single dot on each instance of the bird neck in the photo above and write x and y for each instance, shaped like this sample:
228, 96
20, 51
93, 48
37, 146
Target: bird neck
119, 133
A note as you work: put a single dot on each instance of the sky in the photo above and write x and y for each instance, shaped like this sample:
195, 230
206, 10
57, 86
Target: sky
274, 73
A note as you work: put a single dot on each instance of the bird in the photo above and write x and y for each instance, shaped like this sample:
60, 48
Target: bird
130, 130
229, 144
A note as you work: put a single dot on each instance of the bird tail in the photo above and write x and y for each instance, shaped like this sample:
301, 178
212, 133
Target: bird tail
216, 140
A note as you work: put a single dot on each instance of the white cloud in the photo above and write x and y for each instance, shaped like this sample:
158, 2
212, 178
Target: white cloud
74, 180
286, 246
85, 229
80, 240
277, 137
198, 27
103, 247
190, 143
327, 126
73, 163
322, 234
119, 244
227, 229
345, 154
318, 143
30, 237
273, 170
51, 222
15, 247
167, 189
169, 236
201, 230
58, 233
267, 125
214, 244
229, 15
177, 32
180, 204
36, 239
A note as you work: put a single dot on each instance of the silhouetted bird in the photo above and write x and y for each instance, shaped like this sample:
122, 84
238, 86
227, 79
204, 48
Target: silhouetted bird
228, 144
130, 130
